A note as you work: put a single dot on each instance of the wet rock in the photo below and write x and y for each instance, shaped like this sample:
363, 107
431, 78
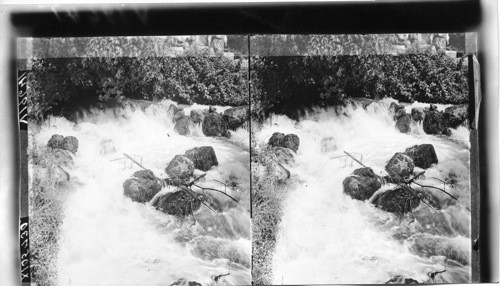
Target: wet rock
172, 109
236, 116
280, 154
428, 245
70, 143
456, 115
179, 114
423, 155
400, 166
178, 203
433, 107
417, 114
394, 107
398, 279
434, 122
62, 157
55, 141
180, 168
362, 184
276, 139
291, 141
212, 109
142, 187
400, 200
399, 113
328, 144
214, 125
403, 123
182, 126
203, 157
197, 116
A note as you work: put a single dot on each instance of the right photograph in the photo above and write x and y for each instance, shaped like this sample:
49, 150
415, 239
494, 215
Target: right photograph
361, 158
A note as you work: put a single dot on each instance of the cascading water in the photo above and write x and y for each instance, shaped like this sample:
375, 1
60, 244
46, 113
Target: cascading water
327, 237
106, 239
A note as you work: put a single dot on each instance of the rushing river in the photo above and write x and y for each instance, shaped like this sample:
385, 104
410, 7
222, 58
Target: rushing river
327, 237
106, 239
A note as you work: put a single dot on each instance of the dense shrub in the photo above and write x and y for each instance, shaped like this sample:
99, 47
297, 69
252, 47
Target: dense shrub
285, 84
63, 85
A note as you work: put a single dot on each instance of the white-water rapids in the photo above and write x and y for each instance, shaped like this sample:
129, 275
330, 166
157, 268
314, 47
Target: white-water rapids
106, 239
327, 237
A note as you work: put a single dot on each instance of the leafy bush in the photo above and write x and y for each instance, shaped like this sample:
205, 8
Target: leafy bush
287, 84
63, 85
46, 198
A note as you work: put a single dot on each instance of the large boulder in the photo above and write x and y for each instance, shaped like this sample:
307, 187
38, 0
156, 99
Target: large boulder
417, 114
456, 115
291, 141
70, 143
178, 203
276, 139
394, 107
403, 123
142, 187
399, 113
180, 168
434, 122
400, 166
55, 141
236, 116
362, 184
196, 116
182, 126
203, 157
179, 114
214, 125
400, 200
172, 109
423, 155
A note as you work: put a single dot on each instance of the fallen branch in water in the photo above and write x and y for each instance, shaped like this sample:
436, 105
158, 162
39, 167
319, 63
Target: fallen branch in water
131, 159
216, 278
357, 161
442, 190
215, 190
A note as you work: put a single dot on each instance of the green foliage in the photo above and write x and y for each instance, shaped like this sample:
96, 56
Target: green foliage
287, 84
267, 210
140, 68
46, 198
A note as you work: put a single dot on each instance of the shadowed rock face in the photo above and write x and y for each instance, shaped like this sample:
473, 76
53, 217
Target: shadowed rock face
290, 141
400, 166
236, 116
456, 115
180, 168
214, 125
417, 114
142, 187
422, 155
203, 157
400, 200
434, 122
178, 203
362, 184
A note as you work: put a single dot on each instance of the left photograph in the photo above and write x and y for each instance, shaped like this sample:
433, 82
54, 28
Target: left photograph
138, 160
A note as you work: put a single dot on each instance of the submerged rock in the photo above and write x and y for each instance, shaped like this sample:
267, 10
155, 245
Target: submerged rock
106, 147
182, 126
178, 203
59, 174
423, 155
280, 154
197, 116
142, 187
328, 144
403, 123
214, 125
236, 116
203, 157
417, 114
362, 184
279, 172
400, 200
400, 166
434, 122
180, 168
456, 115
62, 157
